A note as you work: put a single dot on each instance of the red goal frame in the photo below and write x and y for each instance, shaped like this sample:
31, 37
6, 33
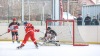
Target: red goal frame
73, 24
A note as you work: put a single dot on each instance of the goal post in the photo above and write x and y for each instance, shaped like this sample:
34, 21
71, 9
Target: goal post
67, 32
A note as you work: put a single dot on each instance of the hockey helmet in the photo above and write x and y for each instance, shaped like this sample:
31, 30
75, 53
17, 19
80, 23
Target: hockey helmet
25, 22
14, 19
49, 28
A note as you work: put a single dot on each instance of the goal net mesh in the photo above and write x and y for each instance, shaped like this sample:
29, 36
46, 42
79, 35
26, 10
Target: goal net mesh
67, 32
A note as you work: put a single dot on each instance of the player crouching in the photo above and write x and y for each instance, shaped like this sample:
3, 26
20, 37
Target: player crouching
29, 29
50, 37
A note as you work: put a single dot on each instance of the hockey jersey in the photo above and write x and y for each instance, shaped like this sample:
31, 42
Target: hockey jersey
52, 32
29, 27
13, 25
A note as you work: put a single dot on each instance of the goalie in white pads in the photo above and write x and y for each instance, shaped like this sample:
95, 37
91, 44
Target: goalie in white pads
50, 37
13, 27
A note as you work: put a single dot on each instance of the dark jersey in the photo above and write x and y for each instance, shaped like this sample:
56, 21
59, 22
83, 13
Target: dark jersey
14, 23
52, 32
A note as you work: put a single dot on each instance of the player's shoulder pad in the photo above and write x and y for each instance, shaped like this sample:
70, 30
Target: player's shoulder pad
17, 23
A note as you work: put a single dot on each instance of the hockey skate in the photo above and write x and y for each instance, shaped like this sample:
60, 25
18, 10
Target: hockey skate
19, 47
17, 41
36, 46
13, 41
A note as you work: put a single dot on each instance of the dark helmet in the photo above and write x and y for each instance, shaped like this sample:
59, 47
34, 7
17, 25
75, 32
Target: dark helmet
49, 28
25, 23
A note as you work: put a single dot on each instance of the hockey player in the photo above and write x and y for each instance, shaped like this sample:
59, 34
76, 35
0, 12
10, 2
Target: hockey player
13, 27
29, 29
50, 37
50, 34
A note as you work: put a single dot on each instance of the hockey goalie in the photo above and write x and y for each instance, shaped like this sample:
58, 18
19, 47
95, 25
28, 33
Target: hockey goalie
50, 37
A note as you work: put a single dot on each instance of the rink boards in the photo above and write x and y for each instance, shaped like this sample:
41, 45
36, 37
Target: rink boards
89, 34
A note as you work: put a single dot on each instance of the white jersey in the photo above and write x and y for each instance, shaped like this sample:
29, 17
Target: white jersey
13, 27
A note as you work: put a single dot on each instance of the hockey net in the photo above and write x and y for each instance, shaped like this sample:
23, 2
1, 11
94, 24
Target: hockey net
67, 32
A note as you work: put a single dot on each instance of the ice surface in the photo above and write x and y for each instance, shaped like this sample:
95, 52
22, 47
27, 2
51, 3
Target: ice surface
9, 49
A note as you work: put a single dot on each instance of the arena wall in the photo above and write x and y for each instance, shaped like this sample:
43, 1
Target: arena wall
88, 33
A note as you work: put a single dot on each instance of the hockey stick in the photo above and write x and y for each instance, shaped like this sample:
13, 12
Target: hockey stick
3, 33
42, 32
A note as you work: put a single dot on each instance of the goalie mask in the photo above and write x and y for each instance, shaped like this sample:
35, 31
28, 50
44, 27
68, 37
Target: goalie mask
49, 28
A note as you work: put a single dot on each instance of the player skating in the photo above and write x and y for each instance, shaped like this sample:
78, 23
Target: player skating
50, 37
13, 27
29, 29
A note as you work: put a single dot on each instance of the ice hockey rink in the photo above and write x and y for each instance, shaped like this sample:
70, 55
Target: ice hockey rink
9, 49
61, 16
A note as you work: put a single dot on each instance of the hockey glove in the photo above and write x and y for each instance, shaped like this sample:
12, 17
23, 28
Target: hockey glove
8, 30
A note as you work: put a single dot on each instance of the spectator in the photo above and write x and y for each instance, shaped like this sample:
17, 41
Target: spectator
79, 20
87, 20
94, 21
49, 18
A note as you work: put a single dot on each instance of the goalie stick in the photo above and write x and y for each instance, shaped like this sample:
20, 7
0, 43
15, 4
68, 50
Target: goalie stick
3, 33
